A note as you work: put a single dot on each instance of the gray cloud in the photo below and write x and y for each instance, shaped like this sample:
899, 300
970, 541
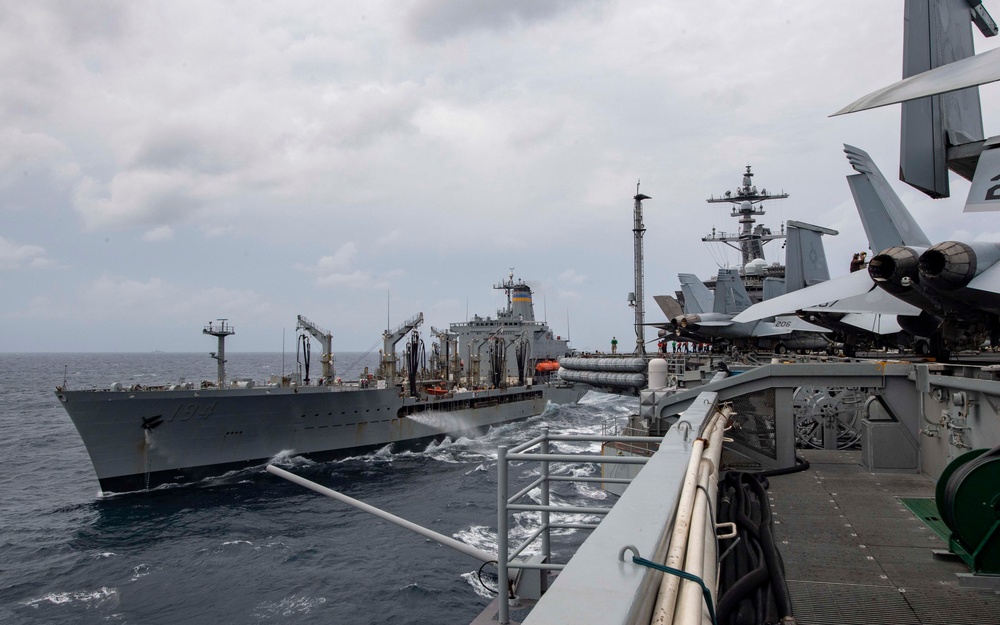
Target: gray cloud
297, 157
433, 21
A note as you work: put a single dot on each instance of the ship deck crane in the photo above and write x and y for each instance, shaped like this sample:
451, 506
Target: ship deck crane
389, 340
326, 340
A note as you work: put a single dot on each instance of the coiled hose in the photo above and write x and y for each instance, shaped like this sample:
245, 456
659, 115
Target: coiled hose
752, 585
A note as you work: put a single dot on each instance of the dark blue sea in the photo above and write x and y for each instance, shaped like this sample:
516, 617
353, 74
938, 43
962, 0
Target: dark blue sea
249, 547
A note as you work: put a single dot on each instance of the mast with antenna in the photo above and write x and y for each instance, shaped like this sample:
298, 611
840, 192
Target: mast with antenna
636, 298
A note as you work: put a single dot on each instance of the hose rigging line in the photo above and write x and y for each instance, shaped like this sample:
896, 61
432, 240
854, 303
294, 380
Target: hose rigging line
416, 359
521, 355
306, 353
752, 585
683, 575
498, 362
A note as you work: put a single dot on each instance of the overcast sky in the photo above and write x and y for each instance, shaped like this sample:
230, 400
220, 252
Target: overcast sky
164, 164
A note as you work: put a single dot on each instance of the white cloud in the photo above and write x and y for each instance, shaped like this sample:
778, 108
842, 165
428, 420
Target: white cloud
391, 238
138, 197
439, 20
570, 296
22, 147
570, 276
450, 138
340, 260
162, 233
14, 256
156, 299
357, 279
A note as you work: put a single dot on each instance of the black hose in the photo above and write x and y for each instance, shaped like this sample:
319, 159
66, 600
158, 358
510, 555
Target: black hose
739, 591
306, 352
801, 464
752, 589
498, 362
774, 564
521, 355
955, 482
415, 356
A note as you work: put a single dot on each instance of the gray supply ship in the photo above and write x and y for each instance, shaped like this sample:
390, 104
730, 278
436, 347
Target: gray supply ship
139, 438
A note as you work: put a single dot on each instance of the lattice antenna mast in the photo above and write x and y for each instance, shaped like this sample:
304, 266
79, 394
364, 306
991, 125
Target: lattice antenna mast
636, 299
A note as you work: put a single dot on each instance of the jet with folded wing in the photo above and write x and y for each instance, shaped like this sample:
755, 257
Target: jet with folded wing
947, 295
941, 121
700, 324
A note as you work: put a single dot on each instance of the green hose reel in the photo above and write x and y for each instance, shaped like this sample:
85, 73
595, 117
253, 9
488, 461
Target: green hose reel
968, 499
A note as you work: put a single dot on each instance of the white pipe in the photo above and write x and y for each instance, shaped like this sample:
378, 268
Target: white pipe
691, 599
666, 599
447, 541
663, 610
714, 455
702, 547
691, 606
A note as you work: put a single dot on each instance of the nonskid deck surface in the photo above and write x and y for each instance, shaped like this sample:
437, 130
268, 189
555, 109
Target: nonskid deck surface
854, 554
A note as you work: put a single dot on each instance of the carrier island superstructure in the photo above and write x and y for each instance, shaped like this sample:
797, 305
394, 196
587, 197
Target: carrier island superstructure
141, 437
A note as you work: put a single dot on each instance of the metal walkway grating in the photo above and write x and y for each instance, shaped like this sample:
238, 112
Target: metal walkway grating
840, 604
926, 510
855, 554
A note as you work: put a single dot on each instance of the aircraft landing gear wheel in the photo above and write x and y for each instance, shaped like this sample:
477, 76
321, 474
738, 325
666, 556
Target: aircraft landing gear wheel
780, 349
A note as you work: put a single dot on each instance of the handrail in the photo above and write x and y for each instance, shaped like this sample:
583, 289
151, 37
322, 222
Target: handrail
507, 503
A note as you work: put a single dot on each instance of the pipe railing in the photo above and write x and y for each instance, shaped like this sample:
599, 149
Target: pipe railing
689, 547
507, 503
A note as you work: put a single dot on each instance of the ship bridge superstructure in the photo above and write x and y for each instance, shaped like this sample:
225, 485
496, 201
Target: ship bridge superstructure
515, 322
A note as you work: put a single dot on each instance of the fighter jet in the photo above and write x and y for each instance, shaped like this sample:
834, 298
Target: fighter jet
708, 317
947, 295
941, 114
782, 334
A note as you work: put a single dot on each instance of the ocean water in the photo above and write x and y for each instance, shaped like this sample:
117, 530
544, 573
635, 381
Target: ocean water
249, 547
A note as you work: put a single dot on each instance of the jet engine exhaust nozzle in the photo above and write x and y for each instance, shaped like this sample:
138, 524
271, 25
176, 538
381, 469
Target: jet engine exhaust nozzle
895, 269
684, 320
948, 266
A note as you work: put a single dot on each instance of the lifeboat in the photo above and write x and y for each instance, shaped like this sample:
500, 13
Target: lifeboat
437, 390
547, 365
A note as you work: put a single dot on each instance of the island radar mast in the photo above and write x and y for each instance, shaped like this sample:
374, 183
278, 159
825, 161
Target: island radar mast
747, 203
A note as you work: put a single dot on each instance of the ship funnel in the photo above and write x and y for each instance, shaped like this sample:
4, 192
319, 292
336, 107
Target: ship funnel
520, 302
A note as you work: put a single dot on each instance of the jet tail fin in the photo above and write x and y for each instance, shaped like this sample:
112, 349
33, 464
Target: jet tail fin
805, 258
885, 218
731, 297
984, 194
939, 94
697, 297
936, 34
670, 306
